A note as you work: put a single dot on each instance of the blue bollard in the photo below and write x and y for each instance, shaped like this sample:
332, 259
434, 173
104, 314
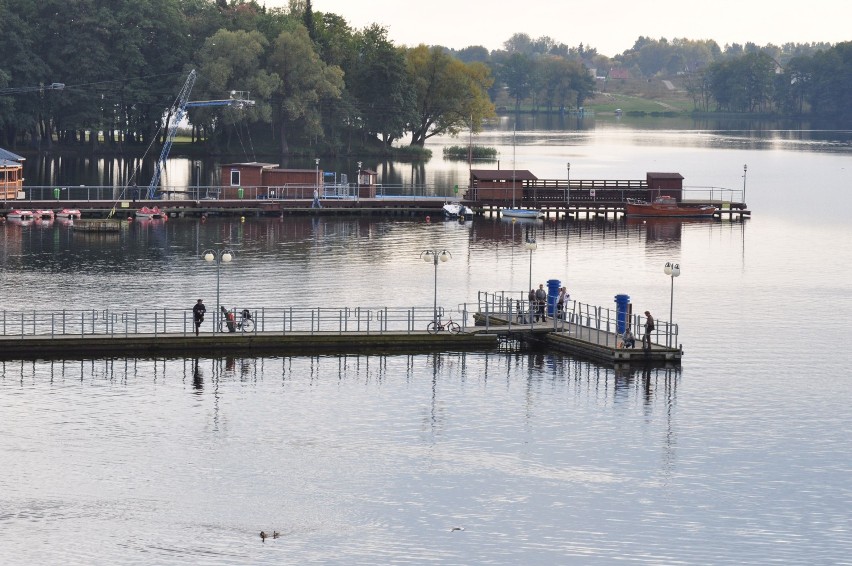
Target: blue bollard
553, 286
621, 310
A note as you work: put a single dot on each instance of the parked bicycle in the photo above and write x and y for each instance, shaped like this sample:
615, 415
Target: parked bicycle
438, 326
230, 323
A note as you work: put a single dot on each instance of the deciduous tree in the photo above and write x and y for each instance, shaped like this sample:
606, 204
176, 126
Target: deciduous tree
450, 94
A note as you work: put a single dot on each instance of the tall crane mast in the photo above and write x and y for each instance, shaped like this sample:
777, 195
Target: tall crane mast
182, 103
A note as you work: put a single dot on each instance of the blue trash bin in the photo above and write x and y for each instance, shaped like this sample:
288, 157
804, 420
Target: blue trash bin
622, 307
553, 286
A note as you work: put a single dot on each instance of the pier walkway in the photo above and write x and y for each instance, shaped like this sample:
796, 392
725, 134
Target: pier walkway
583, 330
584, 199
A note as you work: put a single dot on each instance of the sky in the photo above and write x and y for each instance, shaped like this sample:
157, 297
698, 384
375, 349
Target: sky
611, 27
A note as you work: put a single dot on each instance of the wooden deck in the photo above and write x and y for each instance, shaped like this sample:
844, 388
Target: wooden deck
208, 343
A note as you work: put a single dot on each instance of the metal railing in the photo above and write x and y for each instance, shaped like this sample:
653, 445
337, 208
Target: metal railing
589, 322
166, 321
290, 191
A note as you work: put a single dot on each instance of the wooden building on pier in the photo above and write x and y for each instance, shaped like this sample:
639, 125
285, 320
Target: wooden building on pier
11, 174
269, 180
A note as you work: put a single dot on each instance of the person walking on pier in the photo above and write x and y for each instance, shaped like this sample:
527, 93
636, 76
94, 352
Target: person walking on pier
649, 327
198, 314
541, 299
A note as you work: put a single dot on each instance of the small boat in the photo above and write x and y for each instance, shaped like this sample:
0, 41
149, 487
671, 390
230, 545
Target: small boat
522, 213
457, 210
69, 213
150, 212
20, 214
44, 214
666, 206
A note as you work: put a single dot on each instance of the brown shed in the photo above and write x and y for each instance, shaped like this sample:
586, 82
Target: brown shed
262, 180
499, 184
665, 184
11, 174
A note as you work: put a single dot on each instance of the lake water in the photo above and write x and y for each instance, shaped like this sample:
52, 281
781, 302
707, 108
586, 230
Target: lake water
740, 456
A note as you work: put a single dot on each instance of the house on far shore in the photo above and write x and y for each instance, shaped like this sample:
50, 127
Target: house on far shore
11, 174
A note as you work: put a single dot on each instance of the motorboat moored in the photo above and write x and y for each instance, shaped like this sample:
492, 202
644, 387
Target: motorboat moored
457, 210
522, 213
20, 214
668, 207
69, 213
150, 212
44, 214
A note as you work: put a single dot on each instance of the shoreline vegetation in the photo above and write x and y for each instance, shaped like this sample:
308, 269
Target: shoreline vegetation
633, 99
293, 83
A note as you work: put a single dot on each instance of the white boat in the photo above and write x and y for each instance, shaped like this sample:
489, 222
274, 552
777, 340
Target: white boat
519, 212
522, 213
69, 213
150, 212
45, 214
20, 214
457, 210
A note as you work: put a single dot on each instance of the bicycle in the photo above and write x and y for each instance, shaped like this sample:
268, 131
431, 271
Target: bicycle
437, 326
230, 324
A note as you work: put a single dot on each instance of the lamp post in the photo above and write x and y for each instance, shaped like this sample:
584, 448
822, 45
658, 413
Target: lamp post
358, 184
220, 256
745, 168
435, 256
530, 244
568, 190
672, 270
316, 177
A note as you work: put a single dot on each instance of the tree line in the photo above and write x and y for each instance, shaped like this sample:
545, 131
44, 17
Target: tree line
104, 73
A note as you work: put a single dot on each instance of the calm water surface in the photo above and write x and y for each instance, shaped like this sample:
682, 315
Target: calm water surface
739, 456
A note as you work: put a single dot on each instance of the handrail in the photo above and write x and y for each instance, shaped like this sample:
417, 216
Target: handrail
590, 320
165, 321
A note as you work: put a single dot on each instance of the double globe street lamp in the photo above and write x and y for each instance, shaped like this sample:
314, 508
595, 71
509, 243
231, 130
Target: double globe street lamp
435, 256
220, 256
672, 270
531, 245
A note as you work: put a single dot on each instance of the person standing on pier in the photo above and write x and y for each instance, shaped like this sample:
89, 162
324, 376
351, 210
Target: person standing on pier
560, 302
532, 308
198, 314
649, 327
541, 299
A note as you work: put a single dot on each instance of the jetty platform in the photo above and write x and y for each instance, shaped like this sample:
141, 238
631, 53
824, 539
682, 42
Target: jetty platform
417, 206
582, 330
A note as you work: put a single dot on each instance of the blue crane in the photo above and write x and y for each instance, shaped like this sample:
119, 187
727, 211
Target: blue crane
182, 103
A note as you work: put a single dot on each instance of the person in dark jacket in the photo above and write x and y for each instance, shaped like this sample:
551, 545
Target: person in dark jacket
541, 302
198, 314
649, 327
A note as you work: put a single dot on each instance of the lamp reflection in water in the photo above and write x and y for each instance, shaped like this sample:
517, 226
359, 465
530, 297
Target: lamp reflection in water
435, 256
220, 256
